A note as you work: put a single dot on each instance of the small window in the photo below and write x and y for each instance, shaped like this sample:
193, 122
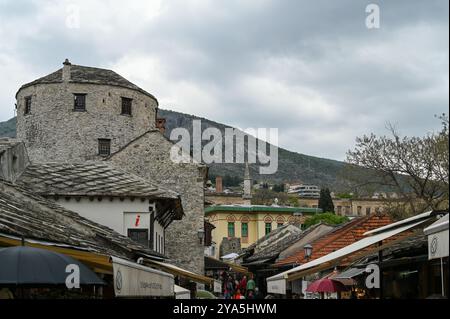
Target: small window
279, 225
79, 102
139, 235
27, 109
367, 210
359, 210
230, 229
126, 106
104, 147
268, 228
244, 230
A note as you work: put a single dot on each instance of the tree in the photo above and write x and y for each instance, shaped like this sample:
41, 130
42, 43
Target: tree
328, 218
415, 167
266, 196
279, 188
325, 201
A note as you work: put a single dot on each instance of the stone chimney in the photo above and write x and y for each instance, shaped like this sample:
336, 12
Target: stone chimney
13, 159
66, 71
219, 186
161, 124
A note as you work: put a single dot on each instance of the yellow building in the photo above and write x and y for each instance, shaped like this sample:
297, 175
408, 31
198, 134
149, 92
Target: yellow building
352, 207
251, 222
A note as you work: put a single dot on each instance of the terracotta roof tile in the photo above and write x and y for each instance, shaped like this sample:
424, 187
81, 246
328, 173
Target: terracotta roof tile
342, 236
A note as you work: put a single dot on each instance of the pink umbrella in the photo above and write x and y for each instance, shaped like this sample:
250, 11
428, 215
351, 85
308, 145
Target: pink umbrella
326, 285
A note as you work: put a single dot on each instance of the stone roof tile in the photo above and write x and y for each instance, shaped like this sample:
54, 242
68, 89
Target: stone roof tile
88, 178
25, 214
90, 75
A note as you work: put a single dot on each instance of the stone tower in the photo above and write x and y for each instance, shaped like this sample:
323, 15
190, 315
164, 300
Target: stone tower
247, 183
81, 113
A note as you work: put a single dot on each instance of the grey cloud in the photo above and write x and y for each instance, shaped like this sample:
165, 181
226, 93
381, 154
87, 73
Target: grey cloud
359, 78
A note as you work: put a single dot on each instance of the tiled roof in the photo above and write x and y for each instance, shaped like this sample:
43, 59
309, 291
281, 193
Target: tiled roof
338, 238
25, 214
88, 179
84, 74
270, 245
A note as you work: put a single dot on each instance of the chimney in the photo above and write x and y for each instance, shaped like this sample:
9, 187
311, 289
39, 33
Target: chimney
219, 187
161, 124
13, 159
66, 71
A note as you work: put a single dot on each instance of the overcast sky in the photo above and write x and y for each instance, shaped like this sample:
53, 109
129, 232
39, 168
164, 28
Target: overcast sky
311, 68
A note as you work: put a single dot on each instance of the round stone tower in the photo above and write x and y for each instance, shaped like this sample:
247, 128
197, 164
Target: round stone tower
81, 113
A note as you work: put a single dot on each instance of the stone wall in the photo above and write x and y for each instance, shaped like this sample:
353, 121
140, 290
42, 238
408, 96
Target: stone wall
149, 157
226, 199
13, 159
53, 131
229, 245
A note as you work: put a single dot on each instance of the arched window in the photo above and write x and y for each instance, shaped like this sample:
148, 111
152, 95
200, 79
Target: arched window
244, 228
231, 225
268, 224
280, 221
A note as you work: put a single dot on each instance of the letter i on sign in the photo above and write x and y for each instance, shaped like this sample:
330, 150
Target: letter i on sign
138, 218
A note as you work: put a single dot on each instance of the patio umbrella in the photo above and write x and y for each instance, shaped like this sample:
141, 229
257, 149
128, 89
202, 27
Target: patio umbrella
30, 266
326, 285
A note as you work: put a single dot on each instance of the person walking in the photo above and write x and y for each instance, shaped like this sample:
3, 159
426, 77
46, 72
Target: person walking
228, 288
243, 285
251, 285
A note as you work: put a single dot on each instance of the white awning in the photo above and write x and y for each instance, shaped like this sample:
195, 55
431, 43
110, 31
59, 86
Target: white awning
402, 222
439, 225
349, 273
345, 251
177, 271
438, 236
135, 280
181, 293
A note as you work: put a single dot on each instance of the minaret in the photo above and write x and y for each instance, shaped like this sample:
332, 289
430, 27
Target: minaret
247, 183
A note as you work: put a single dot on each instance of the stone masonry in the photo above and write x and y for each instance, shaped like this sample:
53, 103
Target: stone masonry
149, 157
53, 131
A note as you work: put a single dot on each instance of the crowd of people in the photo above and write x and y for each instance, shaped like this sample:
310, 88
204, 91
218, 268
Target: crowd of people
238, 288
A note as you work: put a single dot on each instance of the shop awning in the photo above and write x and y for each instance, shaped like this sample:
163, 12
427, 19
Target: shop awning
257, 262
97, 262
275, 285
440, 225
181, 293
346, 277
349, 273
213, 263
135, 280
438, 236
177, 271
403, 222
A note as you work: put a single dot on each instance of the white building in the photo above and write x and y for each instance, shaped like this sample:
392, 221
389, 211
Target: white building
104, 194
305, 191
